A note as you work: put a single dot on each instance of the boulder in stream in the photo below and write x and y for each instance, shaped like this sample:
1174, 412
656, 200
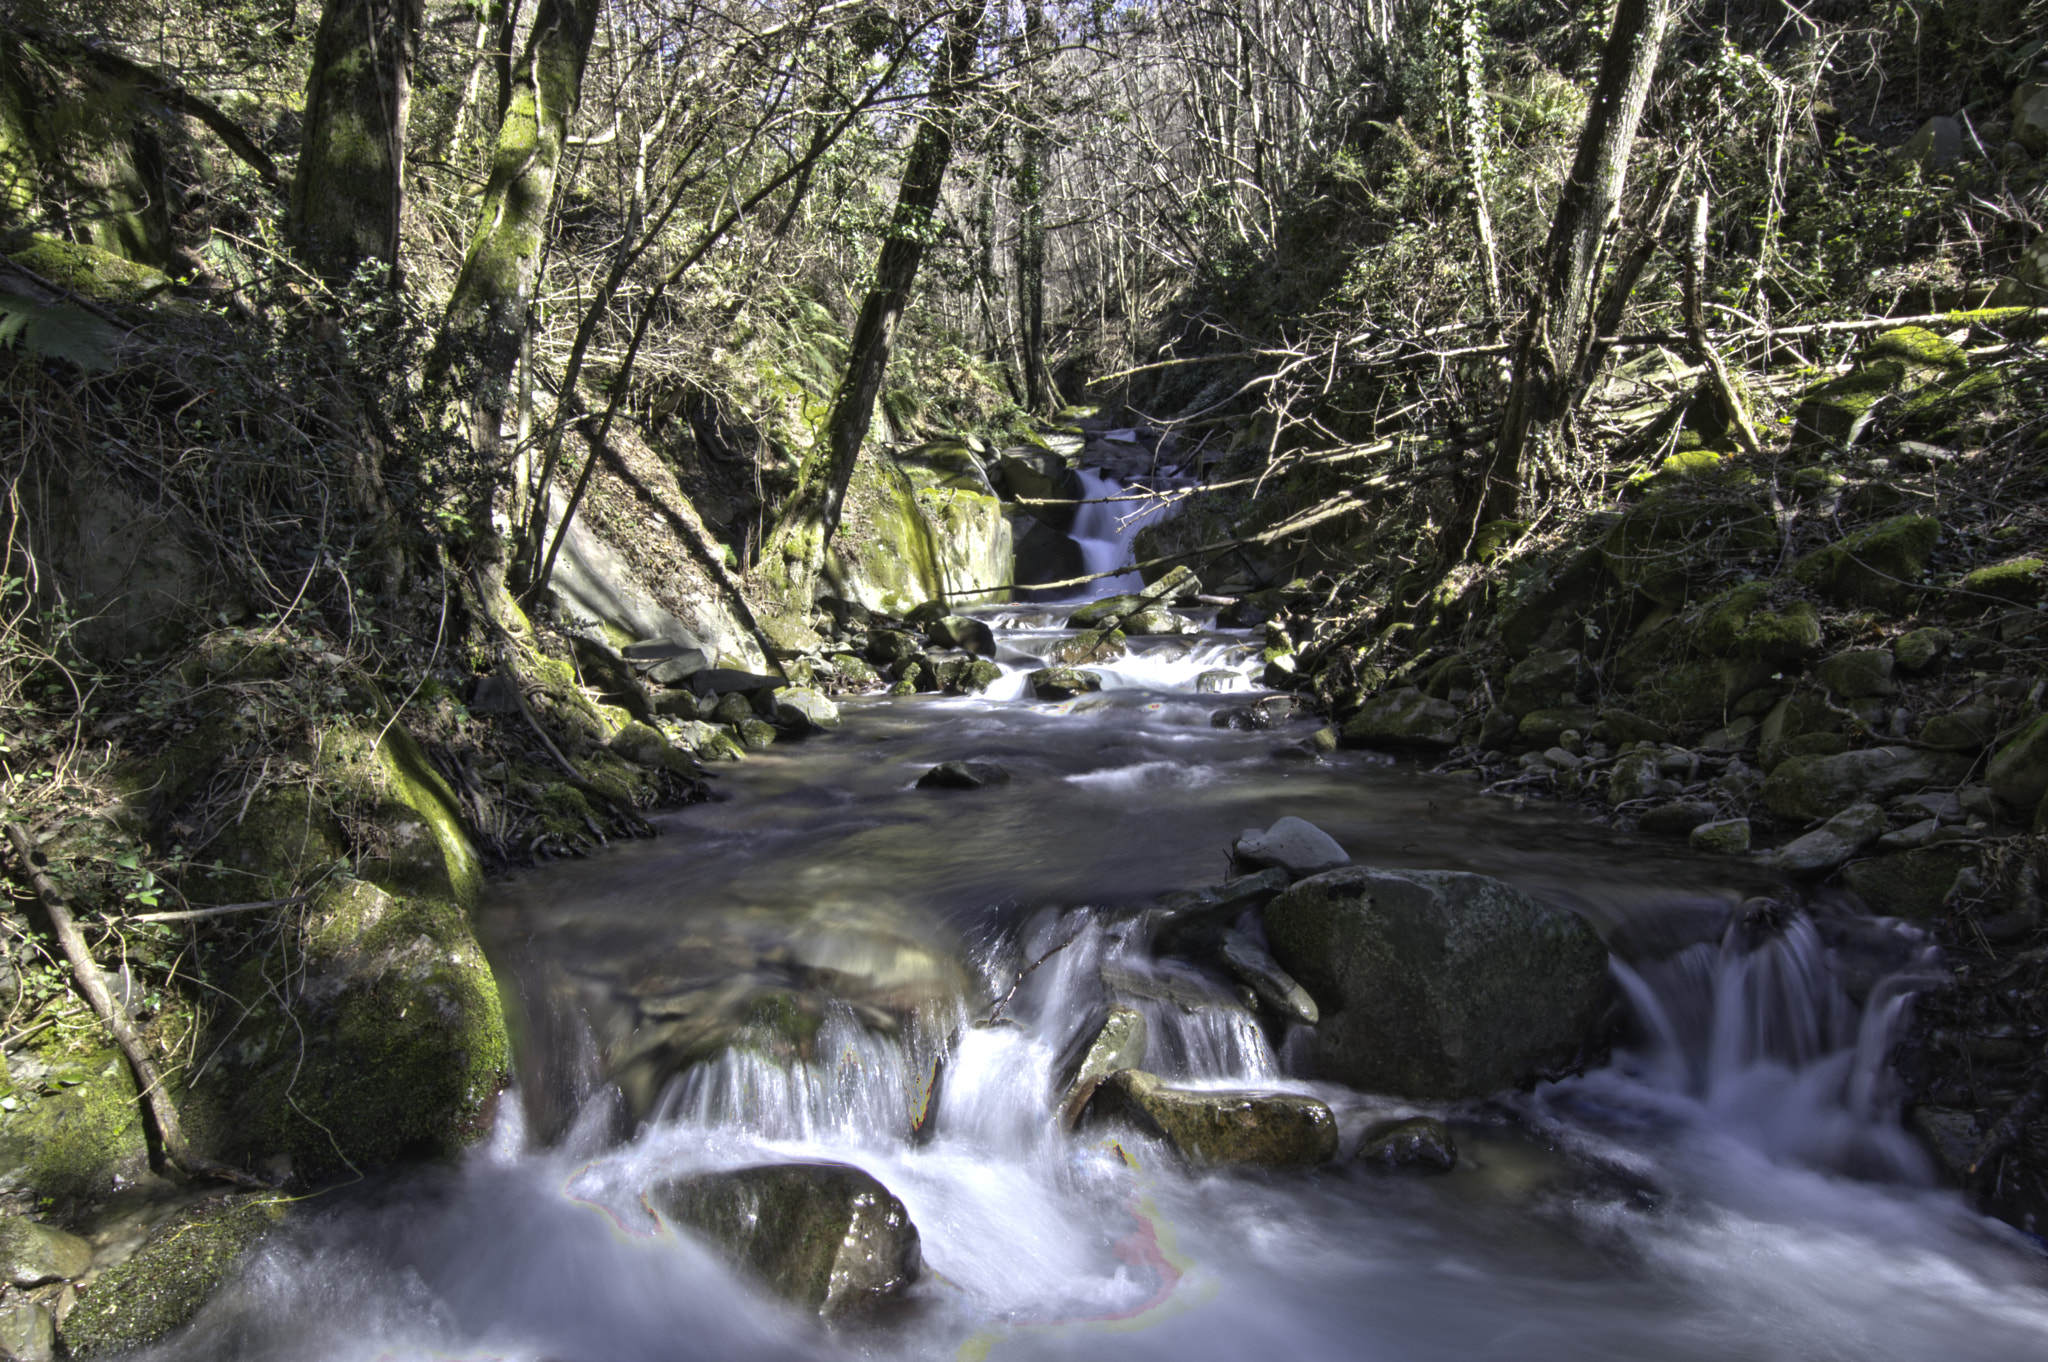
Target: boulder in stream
1419, 1144
825, 1236
1094, 614
1295, 845
1118, 1044
1062, 683
1832, 843
962, 775
1096, 645
798, 709
184, 1260
1270, 1129
1404, 718
963, 632
32, 1253
1436, 983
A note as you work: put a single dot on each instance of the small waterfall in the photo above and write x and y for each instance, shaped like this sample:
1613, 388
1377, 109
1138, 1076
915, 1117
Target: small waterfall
1105, 528
1763, 1033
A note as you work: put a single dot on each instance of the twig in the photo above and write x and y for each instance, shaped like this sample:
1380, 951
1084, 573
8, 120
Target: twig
995, 1012
187, 915
93, 984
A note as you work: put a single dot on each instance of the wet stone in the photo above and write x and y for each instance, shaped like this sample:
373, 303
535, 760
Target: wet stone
1725, 837
1255, 967
1293, 844
35, 1253
962, 775
1420, 1144
1268, 1129
1118, 1044
826, 1237
1678, 818
1062, 683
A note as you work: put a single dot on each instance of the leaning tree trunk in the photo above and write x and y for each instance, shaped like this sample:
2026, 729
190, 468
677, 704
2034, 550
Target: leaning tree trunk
795, 552
348, 195
477, 350
1555, 332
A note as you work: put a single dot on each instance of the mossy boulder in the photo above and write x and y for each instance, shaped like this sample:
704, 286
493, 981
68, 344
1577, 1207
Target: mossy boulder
1860, 673
1746, 623
1897, 363
2018, 581
1434, 983
1673, 542
1810, 787
1698, 691
170, 1277
826, 1237
1404, 718
32, 1253
90, 271
1880, 565
1909, 884
2018, 773
78, 1130
1954, 410
1219, 1126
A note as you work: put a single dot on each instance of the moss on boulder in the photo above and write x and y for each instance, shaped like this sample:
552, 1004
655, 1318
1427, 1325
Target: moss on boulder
169, 1278
1674, 541
1879, 565
1746, 623
80, 1132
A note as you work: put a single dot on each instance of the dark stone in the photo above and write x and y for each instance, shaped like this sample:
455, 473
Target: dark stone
1274, 1130
964, 632
1062, 683
1420, 1144
962, 775
1677, 819
1250, 963
727, 680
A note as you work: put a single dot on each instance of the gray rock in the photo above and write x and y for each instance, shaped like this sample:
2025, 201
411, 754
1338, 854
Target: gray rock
1724, 837
34, 1253
1196, 917
962, 775
1678, 819
1251, 964
1738, 735
1269, 1129
2029, 106
1096, 645
1860, 672
1107, 610
1951, 1135
1545, 680
1636, 776
824, 1236
666, 662
1293, 844
1969, 729
727, 680
1436, 983
1419, 1144
1831, 844
1941, 804
1118, 1044
962, 631
708, 741
1806, 788
1216, 679
27, 1332
1913, 835
1936, 146
757, 735
1177, 582
798, 709
1404, 718
1155, 620
1918, 649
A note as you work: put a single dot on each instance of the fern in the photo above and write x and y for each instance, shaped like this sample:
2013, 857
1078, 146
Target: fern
56, 331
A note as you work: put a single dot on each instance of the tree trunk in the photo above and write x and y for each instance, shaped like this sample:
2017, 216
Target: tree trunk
1031, 168
1555, 333
477, 350
348, 195
795, 552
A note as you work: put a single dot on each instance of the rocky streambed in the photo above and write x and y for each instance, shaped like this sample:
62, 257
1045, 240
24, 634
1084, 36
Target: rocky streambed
1133, 1021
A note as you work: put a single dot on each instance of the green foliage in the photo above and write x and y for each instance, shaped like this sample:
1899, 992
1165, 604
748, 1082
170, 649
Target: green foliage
56, 331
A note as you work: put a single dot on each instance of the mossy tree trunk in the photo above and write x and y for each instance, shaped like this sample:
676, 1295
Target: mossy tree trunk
348, 197
1555, 332
477, 351
795, 552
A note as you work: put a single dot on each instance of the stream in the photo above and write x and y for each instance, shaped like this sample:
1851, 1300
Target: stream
777, 976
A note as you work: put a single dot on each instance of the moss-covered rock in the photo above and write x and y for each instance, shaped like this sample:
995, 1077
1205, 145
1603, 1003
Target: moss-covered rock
1697, 692
1909, 884
1860, 673
1956, 409
163, 1285
1821, 786
1434, 983
2017, 581
2018, 773
1212, 1126
91, 271
33, 1253
1404, 718
1673, 542
80, 1131
1745, 623
1879, 565
1917, 650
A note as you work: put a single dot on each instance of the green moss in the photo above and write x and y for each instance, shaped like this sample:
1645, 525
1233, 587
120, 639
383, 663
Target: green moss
1879, 565
86, 1129
1918, 345
90, 271
1955, 410
1742, 623
283, 838
1835, 412
2017, 581
169, 1278
1494, 536
1673, 541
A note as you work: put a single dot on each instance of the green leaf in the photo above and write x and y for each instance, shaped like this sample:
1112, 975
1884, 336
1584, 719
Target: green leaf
56, 331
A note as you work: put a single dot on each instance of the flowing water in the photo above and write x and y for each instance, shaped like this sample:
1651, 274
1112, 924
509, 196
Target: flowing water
777, 976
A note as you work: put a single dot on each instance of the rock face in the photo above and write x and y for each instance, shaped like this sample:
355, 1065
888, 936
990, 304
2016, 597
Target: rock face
1254, 967
1273, 1130
825, 1236
1294, 845
32, 1254
1435, 983
1420, 1144
1119, 1044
